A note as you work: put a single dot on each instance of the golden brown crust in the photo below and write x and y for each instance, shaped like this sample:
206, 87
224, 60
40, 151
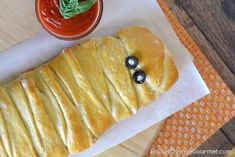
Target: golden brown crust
99, 116
28, 102
170, 74
2, 149
77, 96
19, 98
78, 137
112, 58
144, 95
86, 55
95, 116
52, 144
18, 138
150, 51
51, 106
5, 136
119, 109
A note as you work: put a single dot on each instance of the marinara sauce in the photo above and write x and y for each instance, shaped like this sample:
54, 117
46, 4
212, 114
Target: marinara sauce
49, 16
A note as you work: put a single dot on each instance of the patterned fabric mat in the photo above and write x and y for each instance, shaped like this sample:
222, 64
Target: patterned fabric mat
189, 128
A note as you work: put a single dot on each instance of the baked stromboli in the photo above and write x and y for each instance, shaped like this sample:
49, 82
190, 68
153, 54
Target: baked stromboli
65, 105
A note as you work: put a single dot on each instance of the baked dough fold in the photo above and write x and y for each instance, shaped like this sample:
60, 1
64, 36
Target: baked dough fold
112, 58
94, 114
78, 137
63, 106
13, 132
152, 55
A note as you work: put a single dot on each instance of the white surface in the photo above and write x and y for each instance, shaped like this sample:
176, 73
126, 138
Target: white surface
118, 13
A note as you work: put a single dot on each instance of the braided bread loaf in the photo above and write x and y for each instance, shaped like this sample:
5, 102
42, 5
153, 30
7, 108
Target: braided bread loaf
63, 106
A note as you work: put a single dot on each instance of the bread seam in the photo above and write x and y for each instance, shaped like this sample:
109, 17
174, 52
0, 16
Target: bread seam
76, 69
131, 71
81, 112
11, 107
77, 106
74, 52
67, 91
64, 142
106, 76
8, 140
164, 72
34, 121
3, 150
119, 96
85, 78
109, 110
63, 85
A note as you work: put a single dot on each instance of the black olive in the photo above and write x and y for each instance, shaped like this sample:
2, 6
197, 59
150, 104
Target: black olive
139, 76
131, 62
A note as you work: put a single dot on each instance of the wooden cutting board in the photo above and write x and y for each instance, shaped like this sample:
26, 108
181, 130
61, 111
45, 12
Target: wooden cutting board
18, 23
136, 146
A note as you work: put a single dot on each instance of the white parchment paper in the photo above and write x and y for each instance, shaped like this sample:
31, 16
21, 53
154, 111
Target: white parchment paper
118, 13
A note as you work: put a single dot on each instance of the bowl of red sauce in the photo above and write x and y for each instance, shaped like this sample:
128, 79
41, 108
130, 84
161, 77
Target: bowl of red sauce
73, 28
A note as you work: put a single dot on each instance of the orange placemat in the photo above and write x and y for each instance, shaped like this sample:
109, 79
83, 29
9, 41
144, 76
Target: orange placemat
184, 131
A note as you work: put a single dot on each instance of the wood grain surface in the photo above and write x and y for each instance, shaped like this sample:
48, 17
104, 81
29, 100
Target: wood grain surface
212, 27
223, 139
136, 146
213, 144
216, 23
211, 24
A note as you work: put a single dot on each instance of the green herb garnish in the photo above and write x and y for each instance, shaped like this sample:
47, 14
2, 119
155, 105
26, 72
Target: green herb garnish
70, 8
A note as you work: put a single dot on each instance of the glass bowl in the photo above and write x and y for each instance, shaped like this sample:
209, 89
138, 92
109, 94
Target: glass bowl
62, 36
